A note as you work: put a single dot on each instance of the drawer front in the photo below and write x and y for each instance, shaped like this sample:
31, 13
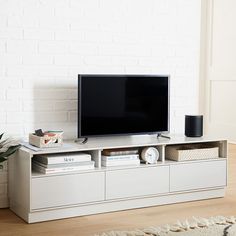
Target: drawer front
198, 175
67, 189
137, 182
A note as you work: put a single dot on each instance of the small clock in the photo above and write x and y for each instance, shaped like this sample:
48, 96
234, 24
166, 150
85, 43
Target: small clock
150, 155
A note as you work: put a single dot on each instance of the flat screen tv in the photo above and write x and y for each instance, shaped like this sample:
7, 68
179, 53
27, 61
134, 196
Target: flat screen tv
122, 104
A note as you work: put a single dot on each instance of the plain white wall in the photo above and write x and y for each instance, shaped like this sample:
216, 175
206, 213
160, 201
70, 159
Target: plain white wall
45, 44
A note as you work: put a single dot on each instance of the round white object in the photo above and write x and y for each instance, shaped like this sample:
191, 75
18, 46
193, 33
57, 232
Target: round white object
150, 155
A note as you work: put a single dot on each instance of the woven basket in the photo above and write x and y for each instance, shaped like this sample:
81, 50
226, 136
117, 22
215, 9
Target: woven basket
194, 152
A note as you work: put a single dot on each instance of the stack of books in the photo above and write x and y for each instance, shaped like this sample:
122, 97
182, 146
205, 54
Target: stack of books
120, 157
57, 163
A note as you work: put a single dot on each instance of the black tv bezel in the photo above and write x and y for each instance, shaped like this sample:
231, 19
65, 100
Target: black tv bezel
120, 134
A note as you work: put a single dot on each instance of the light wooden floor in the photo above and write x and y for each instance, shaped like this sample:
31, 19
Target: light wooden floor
11, 225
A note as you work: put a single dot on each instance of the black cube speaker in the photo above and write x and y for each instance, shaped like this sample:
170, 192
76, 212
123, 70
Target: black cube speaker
193, 126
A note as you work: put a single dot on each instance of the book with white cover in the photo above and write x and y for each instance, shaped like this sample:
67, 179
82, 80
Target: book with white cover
81, 166
48, 159
62, 164
121, 157
121, 163
119, 151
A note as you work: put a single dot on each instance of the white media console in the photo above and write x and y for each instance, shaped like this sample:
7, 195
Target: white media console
37, 197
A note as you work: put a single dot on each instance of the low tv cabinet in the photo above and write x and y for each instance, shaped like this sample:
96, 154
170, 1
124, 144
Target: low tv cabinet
37, 197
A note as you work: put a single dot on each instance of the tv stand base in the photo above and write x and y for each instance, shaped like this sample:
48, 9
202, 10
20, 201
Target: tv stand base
107, 189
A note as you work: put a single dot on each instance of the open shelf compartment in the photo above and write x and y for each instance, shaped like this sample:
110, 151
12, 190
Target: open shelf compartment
195, 151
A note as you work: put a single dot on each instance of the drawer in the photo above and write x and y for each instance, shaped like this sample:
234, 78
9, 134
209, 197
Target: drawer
198, 175
53, 191
137, 182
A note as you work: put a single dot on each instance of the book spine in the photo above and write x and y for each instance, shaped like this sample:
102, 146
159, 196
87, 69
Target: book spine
68, 169
61, 160
84, 163
120, 163
121, 157
61, 169
114, 153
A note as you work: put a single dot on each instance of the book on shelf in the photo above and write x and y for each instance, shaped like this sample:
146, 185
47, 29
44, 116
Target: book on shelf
86, 165
119, 151
62, 164
121, 157
48, 159
121, 163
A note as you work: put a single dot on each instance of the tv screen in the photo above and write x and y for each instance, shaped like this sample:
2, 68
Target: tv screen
122, 104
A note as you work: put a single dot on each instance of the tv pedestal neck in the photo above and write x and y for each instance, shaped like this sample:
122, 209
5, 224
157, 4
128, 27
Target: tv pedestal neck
37, 197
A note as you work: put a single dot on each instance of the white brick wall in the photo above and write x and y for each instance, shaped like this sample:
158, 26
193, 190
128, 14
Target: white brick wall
45, 44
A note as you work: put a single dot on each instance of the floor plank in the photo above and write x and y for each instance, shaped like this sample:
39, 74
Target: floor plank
11, 225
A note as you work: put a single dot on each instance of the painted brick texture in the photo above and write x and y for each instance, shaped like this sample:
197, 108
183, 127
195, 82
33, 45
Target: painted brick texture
45, 44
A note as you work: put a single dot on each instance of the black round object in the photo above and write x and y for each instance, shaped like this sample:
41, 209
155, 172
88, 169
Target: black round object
193, 126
